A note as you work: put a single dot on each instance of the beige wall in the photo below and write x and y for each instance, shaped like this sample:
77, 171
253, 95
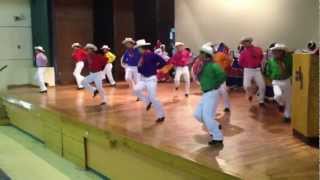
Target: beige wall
293, 22
12, 34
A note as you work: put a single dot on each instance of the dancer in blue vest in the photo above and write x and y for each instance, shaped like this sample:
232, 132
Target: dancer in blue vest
130, 61
147, 67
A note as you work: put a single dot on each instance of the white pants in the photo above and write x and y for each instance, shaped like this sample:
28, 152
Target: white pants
39, 77
183, 71
108, 71
77, 73
282, 94
256, 75
224, 94
97, 79
132, 75
150, 85
206, 113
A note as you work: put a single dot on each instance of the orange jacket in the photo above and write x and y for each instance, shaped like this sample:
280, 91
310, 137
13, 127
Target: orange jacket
224, 60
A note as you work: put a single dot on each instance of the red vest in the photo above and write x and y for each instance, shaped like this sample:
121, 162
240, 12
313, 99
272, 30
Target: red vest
79, 55
96, 62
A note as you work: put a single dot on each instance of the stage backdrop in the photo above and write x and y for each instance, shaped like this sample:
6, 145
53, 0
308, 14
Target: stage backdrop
293, 22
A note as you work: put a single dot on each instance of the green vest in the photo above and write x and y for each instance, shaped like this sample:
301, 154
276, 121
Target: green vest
211, 77
274, 71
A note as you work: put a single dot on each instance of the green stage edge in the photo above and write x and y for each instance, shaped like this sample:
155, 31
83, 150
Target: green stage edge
107, 153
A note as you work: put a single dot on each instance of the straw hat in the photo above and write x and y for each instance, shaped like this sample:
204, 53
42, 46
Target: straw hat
39, 48
91, 46
247, 38
141, 43
279, 47
128, 40
179, 44
206, 49
76, 45
105, 47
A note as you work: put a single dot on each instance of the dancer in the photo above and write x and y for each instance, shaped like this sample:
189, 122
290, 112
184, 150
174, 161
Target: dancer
79, 55
130, 60
279, 70
148, 65
222, 58
108, 69
180, 60
251, 59
211, 76
96, 65
41, 62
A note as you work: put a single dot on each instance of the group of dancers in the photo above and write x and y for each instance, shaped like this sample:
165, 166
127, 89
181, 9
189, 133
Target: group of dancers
209, 69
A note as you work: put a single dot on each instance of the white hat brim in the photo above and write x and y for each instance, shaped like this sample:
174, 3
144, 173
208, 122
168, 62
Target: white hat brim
141, 45
39, 49
246, 39
128, 41
279, 49
179, 44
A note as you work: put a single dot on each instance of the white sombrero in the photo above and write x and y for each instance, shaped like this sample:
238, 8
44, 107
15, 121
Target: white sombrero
76, 45
179, 44
39, 48
206, 49
247, 38
105, 47
279, 47
91, 46
141, 43
127, 40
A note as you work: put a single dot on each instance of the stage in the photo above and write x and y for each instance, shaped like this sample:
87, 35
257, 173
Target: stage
257, 144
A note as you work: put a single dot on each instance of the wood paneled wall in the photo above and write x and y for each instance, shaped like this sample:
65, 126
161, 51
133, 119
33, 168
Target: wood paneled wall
106, 22
73, 21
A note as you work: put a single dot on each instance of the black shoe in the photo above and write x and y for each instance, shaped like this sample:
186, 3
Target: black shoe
226, 110
261, 104
186, 95
80, 88
95, 93
160, 120
149, 106
286, 120
137, 99
215, 142
44, 92
281, 108
103, 103
250, 98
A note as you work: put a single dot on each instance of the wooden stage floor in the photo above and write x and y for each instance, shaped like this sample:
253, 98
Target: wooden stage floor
257, 145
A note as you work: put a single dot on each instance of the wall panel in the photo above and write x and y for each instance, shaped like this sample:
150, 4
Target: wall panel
293, 22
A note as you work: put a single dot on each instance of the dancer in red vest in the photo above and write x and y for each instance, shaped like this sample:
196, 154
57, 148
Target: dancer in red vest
79, 55
96, 64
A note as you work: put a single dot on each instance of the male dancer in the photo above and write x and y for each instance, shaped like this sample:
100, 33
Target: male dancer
79, 55
96, 65
251, 60
41, 62
211, 76
279, 70
130, 59
181, 60
108, 69
222, 57
147, 67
